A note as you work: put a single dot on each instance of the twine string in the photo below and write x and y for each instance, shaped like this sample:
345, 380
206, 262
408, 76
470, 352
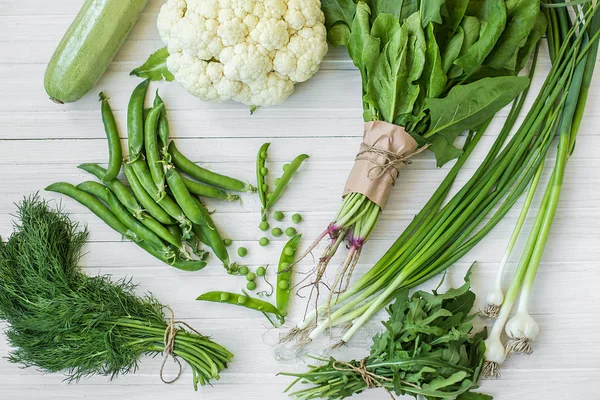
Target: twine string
385, 162
169, 341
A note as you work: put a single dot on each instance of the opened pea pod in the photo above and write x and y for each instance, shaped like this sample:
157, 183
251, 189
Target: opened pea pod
244, 300
284, 274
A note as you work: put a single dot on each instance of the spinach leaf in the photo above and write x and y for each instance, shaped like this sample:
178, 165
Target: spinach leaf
363, 48
339, 15
155, 68
452, 50
430, 12
471, 28
538, 31
521, 18
452, 12
492, 17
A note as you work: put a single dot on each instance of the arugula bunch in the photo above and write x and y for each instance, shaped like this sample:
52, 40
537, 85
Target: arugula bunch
436, 67
427, 349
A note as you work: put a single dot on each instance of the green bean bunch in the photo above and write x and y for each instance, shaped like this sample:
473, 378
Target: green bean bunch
62, 320
158, 208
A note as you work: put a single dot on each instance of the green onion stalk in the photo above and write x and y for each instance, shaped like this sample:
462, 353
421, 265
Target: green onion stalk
582, 34
443, 232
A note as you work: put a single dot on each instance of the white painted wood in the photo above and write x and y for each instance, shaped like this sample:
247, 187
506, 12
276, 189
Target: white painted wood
41, 142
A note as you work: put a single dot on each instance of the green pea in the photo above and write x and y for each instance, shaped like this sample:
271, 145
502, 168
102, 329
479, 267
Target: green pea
264, 171
296, 218
265, 187
277, 180
227, 242
242, 299
250, 276
264, 225
278, 215
269, 195
284, 265
261, 271
283, 285
263, 241
288, 251
251, 285
276, 232
263, 154
242, 251
285, 166
290, 231
243, 270
225, 296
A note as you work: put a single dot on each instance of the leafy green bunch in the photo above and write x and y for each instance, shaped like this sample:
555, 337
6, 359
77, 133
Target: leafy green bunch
427, 349
436, 67
60, 319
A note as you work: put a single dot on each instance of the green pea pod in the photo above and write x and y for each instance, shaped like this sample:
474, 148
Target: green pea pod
165, 202
284, 274
123, 193
94, 188
261, 179
204, 175
242, 300
115, 152
210, 236
94, 205
135, 121
163, 126
151, 146
145, 199
184, 265
285, 179
200, 189
135, 226
184, 199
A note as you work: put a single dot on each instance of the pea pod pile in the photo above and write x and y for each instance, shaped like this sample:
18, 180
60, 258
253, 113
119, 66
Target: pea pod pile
158, 208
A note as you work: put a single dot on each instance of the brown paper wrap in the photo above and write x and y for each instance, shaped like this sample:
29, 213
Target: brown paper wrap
385, 149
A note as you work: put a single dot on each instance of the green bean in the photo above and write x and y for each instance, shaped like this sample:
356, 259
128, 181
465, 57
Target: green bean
242, 300
115, 152
163, 125
204, 175
261, 179
123, 193
94, 188
136, 227
165, 202
94, 205
200, 189
135, 121
278, 215
145, 199
184, 199
263, 241
284, 274
251, 285
276, 232
285, 179
153, 159
296, 218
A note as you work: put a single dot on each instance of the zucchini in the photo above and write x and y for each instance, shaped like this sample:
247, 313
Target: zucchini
88, 47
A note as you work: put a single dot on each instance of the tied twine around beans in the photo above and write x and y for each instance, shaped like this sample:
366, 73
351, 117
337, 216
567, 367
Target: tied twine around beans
169, 340
371, 379
391, 161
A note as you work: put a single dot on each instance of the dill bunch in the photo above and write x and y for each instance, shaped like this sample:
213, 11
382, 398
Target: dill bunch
62, 320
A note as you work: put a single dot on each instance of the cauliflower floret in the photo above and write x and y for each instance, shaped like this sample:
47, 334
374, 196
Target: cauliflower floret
253, 51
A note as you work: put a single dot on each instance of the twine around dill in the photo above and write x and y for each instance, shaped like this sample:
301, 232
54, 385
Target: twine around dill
371, 379
169, 341
389, 164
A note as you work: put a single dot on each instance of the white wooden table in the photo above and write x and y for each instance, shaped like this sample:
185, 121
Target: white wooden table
41, 142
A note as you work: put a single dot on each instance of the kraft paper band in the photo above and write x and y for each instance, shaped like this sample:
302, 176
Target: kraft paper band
385, 149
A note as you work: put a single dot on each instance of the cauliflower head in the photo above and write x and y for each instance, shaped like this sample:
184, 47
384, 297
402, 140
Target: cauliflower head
251, 51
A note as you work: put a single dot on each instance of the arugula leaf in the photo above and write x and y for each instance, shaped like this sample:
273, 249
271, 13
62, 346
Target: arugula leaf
492, 17
155, 68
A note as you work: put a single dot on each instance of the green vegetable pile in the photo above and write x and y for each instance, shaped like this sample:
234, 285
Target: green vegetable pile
427, 349
435, 68
160, 210
61, 320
